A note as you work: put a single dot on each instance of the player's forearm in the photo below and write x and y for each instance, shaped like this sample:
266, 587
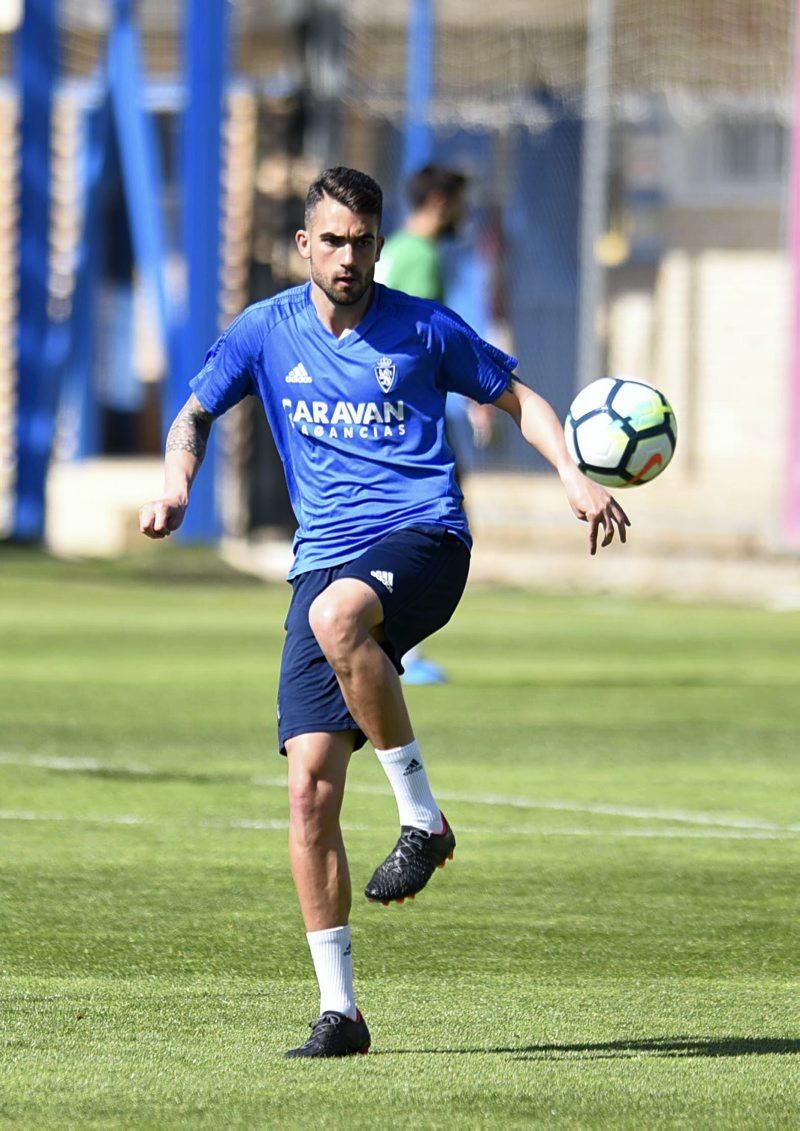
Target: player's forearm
187, 441
542, 429
180, 471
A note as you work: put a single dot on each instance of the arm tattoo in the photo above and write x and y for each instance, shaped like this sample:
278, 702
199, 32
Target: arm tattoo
190, 429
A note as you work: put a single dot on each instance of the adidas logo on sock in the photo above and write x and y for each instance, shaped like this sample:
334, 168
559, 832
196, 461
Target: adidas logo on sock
348, 950
413, 767
298, 375
384, 576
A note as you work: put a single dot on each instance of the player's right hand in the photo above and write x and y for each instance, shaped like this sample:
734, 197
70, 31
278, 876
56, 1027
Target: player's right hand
592, 503
160, 518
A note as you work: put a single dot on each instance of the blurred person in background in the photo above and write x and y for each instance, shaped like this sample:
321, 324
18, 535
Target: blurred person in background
353, 377
411, 261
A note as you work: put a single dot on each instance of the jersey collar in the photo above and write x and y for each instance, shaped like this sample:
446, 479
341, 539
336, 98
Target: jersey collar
323, 333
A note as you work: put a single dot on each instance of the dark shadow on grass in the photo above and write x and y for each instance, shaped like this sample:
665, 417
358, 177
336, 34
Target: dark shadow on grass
187, 565
668, 1047
131, 773
622, 681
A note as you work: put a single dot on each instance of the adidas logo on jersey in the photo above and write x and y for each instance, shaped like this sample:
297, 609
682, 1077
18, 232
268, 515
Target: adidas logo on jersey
384, 577
298, 375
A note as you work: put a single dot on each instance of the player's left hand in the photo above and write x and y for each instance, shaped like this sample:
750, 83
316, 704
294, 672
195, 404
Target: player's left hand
593, 504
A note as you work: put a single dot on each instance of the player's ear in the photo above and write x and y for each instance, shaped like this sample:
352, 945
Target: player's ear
379, 244
303, 241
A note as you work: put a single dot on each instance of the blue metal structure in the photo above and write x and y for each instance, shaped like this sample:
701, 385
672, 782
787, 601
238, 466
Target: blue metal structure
543, 259
420, 60
119, 137
37, 391
141, 170
118, 131
206, 65
77, 392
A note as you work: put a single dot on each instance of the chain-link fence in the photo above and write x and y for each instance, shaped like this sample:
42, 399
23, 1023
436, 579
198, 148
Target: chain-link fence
628, 167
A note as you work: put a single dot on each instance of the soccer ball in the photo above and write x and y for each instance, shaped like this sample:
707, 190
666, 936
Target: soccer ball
621, 433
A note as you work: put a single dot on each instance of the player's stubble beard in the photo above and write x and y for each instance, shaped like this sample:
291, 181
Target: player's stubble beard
343, 298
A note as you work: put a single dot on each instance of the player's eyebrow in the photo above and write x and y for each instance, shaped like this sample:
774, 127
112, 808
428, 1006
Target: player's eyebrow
339, 236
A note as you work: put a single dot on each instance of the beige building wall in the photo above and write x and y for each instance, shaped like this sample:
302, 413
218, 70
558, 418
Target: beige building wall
714, 337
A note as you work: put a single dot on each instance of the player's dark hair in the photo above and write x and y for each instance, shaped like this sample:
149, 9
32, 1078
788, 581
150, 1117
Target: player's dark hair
434, 180
353, 189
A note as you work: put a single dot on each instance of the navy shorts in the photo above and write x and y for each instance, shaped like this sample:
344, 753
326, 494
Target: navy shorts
418, 573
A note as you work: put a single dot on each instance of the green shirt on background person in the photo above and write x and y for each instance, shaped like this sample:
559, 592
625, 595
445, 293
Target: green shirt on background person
411, 263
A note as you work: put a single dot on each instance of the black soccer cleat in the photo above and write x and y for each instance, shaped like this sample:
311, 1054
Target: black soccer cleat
334, 1034
410, 864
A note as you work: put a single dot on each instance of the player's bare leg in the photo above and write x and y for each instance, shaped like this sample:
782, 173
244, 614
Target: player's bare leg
346, 620
317, 772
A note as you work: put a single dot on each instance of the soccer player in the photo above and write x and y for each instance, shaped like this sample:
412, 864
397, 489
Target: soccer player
353, 378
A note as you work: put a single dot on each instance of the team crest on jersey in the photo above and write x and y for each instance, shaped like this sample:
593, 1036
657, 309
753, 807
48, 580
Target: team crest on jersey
385, 372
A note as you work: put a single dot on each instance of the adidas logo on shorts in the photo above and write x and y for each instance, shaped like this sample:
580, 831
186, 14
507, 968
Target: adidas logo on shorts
298, 376
384, 576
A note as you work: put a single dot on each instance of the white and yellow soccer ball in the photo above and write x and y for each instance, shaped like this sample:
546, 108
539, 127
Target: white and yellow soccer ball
621, 433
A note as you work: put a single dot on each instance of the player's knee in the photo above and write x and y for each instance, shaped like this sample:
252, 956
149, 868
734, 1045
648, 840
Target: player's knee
313, 805
335, 626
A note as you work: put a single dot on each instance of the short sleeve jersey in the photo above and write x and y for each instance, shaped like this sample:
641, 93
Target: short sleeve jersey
412, 264
358, 420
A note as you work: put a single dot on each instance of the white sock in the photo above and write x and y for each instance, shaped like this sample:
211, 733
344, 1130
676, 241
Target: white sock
333, 964
404, 768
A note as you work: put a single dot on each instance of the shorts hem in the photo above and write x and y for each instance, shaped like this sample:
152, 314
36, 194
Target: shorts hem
319, 728
372, 582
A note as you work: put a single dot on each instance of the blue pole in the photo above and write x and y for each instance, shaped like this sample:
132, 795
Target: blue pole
78, 393
141, 170
420, 58
37, 389
206, 61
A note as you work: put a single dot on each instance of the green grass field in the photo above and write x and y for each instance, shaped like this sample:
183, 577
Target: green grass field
615, 944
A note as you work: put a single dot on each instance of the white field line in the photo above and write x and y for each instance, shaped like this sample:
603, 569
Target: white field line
74, 765
130, 819
29, 815
259, 825
639, 813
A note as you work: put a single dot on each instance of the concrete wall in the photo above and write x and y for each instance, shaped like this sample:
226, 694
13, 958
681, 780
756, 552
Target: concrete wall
714, 337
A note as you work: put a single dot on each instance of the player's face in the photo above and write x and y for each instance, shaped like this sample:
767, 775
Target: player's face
342, 248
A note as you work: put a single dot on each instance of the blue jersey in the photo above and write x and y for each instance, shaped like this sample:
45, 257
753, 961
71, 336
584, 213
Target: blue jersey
358, 420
